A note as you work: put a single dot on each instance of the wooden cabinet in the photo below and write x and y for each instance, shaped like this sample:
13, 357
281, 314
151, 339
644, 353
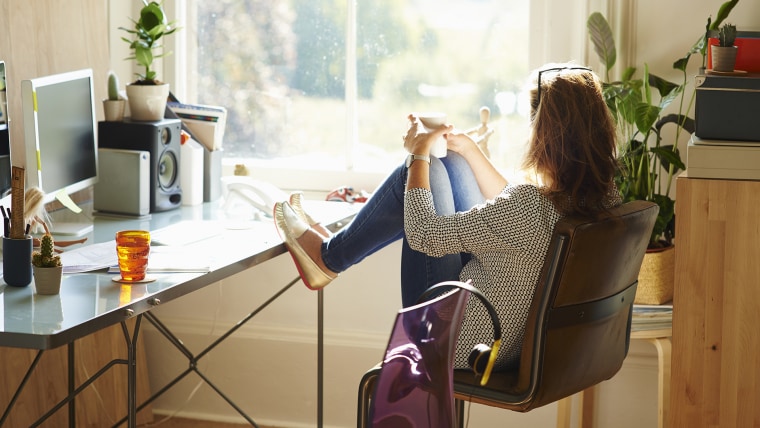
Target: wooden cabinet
716, 319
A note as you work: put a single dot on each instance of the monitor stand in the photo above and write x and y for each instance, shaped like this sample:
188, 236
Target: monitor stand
70, 228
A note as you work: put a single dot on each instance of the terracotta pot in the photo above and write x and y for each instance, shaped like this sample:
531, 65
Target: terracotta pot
113, 110
723, 58
656, 277
147, 102
47, 280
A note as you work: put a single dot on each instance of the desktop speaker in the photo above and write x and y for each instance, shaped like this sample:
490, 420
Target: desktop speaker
162, 140
124, 184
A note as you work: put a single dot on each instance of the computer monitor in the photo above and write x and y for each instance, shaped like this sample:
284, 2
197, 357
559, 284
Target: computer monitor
60, 137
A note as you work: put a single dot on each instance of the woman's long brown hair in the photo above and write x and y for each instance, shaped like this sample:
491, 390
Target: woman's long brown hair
572, 145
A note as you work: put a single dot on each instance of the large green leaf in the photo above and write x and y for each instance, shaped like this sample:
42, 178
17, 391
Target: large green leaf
601, 36
723, 12
646, 116
668, 157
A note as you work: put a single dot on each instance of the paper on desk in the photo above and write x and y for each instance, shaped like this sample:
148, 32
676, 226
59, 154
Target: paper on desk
89, 257
161, 259
173, 259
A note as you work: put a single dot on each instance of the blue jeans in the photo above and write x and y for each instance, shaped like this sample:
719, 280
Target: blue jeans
381, 222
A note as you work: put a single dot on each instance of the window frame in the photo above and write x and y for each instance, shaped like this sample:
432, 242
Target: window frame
548, 42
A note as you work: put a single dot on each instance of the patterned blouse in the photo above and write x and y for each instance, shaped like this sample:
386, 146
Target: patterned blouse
508, 238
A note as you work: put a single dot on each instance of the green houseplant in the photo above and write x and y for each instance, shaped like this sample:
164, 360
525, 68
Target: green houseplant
648, 163
640, 120
113, 106
147, 95
724, 53
47, 267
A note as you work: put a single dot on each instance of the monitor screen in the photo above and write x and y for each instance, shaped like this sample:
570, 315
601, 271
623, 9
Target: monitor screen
60, 134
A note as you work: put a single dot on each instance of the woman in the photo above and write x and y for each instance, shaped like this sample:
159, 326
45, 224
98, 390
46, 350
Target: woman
460, 219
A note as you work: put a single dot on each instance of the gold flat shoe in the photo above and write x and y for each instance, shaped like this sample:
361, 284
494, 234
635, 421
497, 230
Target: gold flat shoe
295, 201
290, 227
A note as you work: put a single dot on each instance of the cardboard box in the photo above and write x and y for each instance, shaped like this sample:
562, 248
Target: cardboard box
733, 160
728, 107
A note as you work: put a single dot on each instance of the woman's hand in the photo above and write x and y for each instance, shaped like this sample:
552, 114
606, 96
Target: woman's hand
460, 142
419, 143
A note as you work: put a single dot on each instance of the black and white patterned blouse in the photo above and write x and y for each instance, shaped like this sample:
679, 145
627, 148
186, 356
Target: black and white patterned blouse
508, 238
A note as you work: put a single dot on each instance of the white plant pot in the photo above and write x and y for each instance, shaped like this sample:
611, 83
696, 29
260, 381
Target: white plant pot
147, 102
47, 280
113, 110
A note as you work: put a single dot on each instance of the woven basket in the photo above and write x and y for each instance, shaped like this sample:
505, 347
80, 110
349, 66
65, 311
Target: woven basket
656, 277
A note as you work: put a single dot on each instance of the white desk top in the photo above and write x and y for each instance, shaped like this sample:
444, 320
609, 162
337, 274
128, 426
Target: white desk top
91, 301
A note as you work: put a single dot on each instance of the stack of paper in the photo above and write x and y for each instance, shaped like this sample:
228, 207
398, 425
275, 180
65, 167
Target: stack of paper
652, 317
205, 122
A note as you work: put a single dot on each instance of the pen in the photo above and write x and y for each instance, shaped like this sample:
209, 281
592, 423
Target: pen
6, 222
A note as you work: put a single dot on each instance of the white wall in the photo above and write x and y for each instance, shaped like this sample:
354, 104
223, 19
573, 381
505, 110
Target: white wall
269, 366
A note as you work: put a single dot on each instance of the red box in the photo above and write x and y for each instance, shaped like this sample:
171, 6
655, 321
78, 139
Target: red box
748, 54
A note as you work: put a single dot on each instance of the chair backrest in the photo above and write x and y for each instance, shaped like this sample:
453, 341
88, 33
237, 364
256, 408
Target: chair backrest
578, 328
414, 386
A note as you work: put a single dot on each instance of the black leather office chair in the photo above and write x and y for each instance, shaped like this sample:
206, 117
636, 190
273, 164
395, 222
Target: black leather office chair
579, 325
578, 328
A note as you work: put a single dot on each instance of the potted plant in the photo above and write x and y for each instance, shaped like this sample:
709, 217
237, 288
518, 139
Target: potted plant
113, 106
724, 53
47, 267
648, 165
147, 95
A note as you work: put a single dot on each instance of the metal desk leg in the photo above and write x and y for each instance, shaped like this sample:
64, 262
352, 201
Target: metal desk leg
131, 371
193, 359
72, 386
320, 355
21, 387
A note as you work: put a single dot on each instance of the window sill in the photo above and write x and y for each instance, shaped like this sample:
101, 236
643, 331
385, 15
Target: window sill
312, 181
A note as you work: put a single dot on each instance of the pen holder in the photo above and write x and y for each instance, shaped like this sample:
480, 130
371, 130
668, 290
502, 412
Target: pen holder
17, 261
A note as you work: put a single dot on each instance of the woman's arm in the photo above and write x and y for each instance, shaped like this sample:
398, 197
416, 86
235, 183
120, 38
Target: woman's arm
419, 170
490, 180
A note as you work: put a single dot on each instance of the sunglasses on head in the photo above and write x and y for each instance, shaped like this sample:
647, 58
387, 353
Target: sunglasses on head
548, 70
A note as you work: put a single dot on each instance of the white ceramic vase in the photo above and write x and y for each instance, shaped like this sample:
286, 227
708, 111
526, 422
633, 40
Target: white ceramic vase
147, 102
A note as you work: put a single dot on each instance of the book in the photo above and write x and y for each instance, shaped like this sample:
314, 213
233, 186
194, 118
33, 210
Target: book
206, 123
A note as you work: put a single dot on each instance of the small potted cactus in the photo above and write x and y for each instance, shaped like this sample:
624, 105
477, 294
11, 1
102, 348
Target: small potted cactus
724, 53
47, 267
113, 106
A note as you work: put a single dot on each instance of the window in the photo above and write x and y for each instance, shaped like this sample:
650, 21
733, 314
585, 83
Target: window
326, 84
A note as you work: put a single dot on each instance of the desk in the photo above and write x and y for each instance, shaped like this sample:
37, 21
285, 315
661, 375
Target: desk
90, 302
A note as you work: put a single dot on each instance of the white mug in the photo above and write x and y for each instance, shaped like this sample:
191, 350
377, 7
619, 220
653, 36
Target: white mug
430, 122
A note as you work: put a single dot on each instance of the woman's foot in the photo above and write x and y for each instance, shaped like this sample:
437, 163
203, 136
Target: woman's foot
304, 245
296, 203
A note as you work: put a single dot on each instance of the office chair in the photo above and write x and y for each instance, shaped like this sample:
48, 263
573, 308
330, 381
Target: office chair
578, 328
